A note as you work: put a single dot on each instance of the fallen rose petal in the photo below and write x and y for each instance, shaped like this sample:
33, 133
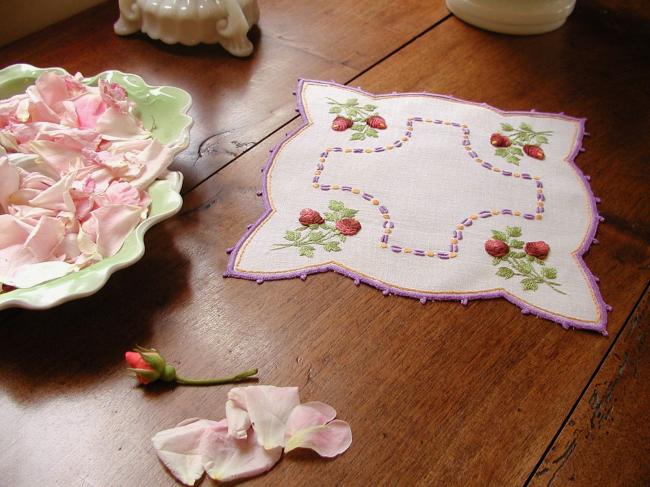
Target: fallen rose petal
309, 414
193, 447
232, 459
268, 408
238, 420
181, 449
327, 440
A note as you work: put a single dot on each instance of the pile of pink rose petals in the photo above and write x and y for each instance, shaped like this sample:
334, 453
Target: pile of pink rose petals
75, 162
261, 422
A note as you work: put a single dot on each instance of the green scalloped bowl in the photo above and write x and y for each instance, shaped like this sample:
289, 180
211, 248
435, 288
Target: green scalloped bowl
163, 110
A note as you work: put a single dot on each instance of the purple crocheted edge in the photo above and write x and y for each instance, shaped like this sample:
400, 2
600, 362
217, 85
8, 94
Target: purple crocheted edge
387, 290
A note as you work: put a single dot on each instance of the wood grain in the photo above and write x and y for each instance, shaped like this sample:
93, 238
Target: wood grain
606, 441
436, 395
236, 101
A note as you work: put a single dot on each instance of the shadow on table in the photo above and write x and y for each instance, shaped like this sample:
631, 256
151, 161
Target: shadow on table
72, 346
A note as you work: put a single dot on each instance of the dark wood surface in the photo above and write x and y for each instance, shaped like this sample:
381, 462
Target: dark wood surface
436, 395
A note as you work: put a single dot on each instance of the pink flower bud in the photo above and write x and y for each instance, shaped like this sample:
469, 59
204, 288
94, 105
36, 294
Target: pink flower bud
149, 366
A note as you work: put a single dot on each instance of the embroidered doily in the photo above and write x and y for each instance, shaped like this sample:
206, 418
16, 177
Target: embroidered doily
430, 197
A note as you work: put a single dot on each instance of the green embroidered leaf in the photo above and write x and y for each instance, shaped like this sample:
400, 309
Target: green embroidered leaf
336, 205
370, 107
499, 235
513, 231
315, 236
507, 127
505, 272
341, 237
529, 284
291, 236
541, 139
517, 244
517, 255
372, 132
517, 151
300, 228
335, 110
352, 102
513, 160
530, 258
357, 127
358, 136
539, 261
332, 246
549, 273
314, 226
348, 213
496, 260
330, 217
501, 152
525, 266
526, 127
307, 251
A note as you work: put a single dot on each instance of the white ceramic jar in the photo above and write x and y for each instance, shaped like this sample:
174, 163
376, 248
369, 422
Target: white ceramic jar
190, 22
522, 17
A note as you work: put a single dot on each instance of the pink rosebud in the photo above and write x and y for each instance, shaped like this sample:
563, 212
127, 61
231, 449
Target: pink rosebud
376, 122
348, 226
310, 217
538, 249
496, 248
144, 372
341, 123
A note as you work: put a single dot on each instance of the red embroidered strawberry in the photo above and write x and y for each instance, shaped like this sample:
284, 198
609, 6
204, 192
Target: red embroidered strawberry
348, 226
376, 122
496, 248
500, 140
534, 151
310, 217
341, 123
538, 249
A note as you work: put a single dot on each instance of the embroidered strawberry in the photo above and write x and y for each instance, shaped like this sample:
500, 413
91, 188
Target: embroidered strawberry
310, 217
496, 248
348, 226
341, 123
538, 249
500, 140
534, 151
376, 122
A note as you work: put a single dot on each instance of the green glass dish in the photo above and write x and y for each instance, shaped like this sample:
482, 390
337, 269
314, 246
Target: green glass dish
163, 111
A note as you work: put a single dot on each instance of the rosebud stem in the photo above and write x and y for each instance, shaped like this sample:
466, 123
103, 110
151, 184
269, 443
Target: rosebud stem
221, 380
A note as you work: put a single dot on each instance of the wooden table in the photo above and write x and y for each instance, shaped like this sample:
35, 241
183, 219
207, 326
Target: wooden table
440, 394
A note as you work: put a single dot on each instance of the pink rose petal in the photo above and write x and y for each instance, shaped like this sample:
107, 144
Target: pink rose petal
193, 447
268, 408
327, 440
312, 425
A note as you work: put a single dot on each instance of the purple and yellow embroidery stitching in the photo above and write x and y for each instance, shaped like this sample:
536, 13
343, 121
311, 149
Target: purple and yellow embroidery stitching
388, 225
